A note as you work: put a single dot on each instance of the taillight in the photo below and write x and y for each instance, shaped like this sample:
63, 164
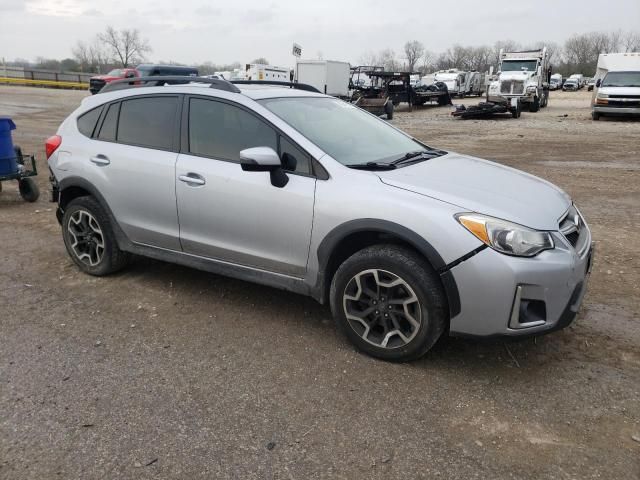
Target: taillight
52, 144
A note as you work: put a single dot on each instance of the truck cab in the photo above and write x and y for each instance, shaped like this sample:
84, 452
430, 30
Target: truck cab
525, 76
617, 85
98, 81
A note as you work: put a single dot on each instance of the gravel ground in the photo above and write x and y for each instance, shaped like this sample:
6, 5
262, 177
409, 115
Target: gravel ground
166, 372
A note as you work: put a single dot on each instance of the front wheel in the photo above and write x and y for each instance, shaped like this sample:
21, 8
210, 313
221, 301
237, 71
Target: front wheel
89, 238
535, 105
595, 115
388, 109
389, 302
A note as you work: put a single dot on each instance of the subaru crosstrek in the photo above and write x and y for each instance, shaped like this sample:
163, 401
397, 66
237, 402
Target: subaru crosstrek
304, 192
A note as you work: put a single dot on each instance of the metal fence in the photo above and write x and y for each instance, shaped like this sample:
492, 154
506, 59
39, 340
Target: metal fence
47, 75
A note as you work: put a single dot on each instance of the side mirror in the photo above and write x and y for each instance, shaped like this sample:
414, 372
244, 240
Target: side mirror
264, 159
598, 83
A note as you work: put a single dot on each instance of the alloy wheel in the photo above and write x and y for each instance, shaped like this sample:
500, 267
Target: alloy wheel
382, 308
87, 239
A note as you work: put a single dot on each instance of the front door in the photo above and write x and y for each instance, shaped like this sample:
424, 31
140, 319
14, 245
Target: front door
236, 216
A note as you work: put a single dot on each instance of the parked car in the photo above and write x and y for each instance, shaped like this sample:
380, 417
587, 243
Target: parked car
151, 70
571, 84
98, 81
590, 83
304, 192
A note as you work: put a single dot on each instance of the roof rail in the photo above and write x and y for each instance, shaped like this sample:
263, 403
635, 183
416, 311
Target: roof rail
297, 86
156, 81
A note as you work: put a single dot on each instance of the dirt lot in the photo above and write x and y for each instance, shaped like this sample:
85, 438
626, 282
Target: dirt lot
166, 372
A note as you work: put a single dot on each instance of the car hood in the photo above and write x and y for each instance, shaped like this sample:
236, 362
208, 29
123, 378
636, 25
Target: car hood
484, 187
619, 90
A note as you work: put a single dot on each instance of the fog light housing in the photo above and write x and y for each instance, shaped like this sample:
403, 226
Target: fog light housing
527, 312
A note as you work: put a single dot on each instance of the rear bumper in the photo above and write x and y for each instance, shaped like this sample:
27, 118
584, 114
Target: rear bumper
616, 110
503, 296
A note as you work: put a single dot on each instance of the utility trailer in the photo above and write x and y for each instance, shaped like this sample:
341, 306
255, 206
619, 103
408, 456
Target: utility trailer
328, 76
382, 88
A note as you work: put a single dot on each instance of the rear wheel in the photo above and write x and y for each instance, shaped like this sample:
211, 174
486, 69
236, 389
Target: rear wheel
89, 238
29, 190
389, 302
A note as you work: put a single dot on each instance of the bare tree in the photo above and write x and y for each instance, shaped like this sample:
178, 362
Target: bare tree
126, 45
507, 46
428, 61
413, 51
630, 41
91, 57
387, 59
261, 61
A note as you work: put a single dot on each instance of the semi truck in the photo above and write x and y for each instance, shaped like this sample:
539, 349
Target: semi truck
525, 76
617, 85
328, 76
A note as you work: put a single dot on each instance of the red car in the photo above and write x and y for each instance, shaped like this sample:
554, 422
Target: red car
99, 81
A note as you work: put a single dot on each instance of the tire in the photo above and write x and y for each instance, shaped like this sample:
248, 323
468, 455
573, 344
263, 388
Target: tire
545, 100
85, 216
535, 105
421, 319
388, 109
595, 115
29, 190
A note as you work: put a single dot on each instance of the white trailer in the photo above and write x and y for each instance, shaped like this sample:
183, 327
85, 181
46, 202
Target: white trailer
260, 72
461, 83
555, 82
328, 76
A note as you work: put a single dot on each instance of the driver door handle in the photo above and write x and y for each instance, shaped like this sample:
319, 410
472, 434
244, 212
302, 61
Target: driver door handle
100, 159
192, 179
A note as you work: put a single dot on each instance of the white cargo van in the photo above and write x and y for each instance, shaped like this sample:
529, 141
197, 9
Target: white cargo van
328, 76
617, 87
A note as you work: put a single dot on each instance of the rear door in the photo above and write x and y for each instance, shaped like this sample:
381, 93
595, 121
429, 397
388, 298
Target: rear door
236, 216
132, 164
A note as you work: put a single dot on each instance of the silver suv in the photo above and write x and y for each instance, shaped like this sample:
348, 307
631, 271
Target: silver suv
290, 188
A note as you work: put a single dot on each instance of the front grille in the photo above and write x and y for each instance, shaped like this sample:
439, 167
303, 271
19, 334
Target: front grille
512, 87
613, 103
95, 84
625, 96
573, 228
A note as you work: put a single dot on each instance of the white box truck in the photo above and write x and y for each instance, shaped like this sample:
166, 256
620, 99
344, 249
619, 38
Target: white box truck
617, 87
523, 76
328, 76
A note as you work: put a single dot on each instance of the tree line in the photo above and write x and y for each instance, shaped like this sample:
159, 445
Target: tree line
579, 54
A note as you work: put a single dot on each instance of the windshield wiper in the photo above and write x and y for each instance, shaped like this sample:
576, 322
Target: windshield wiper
417, 156
372, 166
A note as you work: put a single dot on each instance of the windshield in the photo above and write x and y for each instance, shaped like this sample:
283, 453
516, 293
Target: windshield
519, 65
347, 133
622, 79
115, 73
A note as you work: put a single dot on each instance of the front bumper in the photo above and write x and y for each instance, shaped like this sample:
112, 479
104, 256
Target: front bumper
503, 296
616, 110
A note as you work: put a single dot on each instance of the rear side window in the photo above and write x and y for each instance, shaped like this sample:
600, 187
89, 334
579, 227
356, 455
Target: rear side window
148, 122
109, 124
87, 121
220, 130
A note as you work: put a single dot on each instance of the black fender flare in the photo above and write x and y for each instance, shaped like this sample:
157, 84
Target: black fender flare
334, 237
123, 241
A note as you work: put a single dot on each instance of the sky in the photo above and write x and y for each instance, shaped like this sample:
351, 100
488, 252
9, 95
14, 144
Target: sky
195, 31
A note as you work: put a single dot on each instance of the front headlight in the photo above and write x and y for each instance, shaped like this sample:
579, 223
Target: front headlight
603, 95
506, 237
531, 88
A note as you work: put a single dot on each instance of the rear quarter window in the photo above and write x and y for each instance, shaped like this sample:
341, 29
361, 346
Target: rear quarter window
87, 121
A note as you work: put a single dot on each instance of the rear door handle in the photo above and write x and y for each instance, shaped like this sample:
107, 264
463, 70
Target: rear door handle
192, 179
100, 159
